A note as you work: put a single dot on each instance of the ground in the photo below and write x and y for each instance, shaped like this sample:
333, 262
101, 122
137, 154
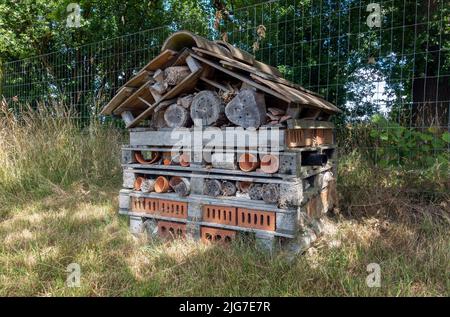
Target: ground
81, 225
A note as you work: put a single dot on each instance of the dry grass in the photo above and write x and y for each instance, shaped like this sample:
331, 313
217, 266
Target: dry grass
41, 239
58, 205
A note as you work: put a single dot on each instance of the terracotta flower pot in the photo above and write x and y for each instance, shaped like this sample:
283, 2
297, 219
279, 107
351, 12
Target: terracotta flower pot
243, 186
185, 160
141, 160
270, 163
161, 184
248, 162
167, 158
138, 182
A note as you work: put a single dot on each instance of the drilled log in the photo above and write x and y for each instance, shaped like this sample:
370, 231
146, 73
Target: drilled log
175, 74
180, 185
270, 193
176, 116
212, 187
206, 108
255, 191
228, 188
148, 185
247, 109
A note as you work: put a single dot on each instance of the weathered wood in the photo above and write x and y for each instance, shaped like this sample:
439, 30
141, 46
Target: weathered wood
127, 117
243, 78
185, 101
158, 89
266, 69
120, 97
297, 96
309, 124
247, 109
187, 85
276, 111
158, 121
212, 187
148, 185
176, 116
207, 108
133, 102
159, 75
214, 84
270, 193
255, 191
228, 188
224, 160
180, 185
175, 74
139, 79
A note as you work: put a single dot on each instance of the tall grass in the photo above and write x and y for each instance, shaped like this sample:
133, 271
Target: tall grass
45, 150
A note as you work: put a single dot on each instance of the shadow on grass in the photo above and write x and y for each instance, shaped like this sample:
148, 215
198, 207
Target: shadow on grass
43, 238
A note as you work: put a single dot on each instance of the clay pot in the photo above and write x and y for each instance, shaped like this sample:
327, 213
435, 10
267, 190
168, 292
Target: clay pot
162, 185
141, 160
243, 186
138, 182
248, 162
185, 160
270, 163
167, 158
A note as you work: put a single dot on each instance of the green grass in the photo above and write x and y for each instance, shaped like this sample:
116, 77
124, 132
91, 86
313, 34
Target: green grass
58, 205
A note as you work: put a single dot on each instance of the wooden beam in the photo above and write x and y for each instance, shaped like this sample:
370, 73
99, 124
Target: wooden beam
243, 78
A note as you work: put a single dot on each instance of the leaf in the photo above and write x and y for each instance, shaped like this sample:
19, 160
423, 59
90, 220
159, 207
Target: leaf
446, 137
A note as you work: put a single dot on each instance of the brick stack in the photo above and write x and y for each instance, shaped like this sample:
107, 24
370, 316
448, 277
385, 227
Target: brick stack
222, 146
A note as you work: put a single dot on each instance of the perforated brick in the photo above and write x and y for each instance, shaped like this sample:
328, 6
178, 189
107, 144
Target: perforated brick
171, 230
323, 136
299, 137
138, 204
151, 205
214, 235
171, 208
256, 219
220, 214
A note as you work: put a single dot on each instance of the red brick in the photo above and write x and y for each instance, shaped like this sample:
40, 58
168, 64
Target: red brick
256, 219
170, 230
220, 214
171, 208
209, 235
299, 137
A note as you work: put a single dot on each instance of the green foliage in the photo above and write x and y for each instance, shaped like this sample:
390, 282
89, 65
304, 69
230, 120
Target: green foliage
397, 145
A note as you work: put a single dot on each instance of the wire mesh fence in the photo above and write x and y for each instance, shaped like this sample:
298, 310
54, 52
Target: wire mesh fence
385, 63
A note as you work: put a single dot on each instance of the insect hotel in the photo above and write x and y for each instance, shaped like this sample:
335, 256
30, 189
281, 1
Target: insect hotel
221, 146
